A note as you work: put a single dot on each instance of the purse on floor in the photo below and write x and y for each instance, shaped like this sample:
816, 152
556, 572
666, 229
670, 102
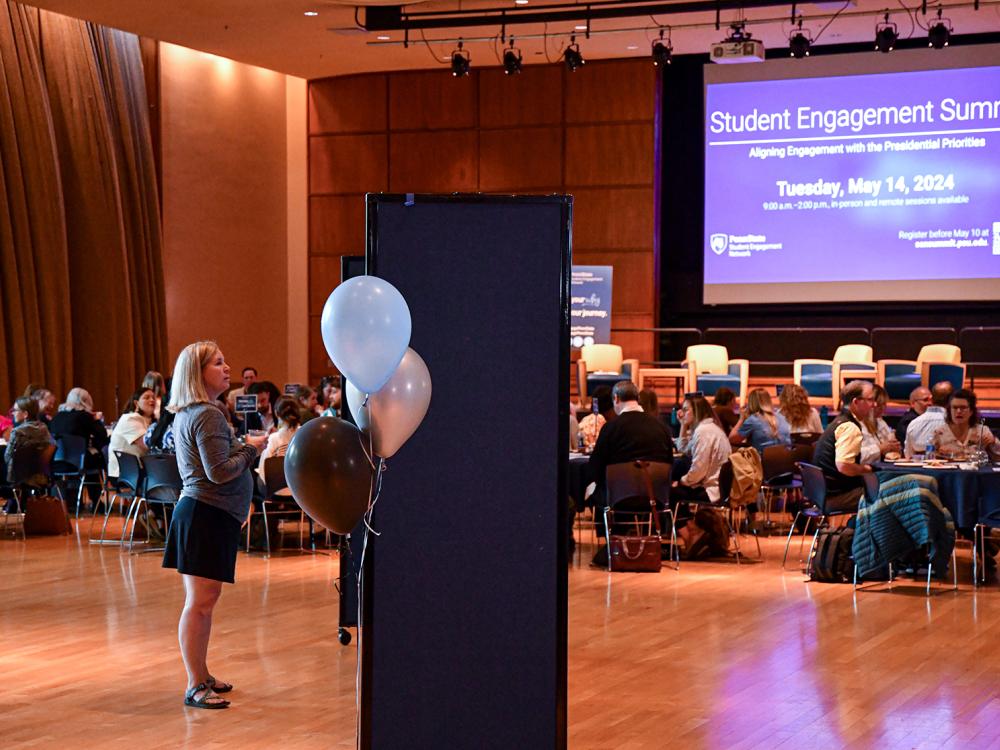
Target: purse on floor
45, 515
638, 554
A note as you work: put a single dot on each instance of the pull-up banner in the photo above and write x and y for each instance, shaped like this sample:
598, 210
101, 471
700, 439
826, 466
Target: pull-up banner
590, 305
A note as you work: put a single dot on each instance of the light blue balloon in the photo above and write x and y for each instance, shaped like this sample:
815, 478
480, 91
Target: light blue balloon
366, 329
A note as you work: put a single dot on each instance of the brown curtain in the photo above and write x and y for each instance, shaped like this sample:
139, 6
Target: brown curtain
113, 324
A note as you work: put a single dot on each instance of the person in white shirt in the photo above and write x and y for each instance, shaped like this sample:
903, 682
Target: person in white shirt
920, 433
130, 429
707, 445
877, 437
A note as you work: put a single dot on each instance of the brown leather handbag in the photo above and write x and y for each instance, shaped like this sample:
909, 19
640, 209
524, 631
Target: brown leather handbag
638, 554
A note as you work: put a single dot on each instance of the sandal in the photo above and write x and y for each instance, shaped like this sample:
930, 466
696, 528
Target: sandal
218, 687
208, 699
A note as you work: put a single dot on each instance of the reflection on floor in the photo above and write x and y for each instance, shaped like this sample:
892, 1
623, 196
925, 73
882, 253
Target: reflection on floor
712, 656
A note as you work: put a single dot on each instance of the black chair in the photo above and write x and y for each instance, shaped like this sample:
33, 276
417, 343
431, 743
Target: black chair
128, 485
275, 502
814, 491
628, 496
69, 464
162, 485
30, 473
805, 438
988, 517
781, 476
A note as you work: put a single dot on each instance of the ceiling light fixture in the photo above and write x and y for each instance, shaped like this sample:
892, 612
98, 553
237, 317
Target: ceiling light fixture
939, 34
662, 50
461, 61
383, 37
520, 2
886, 35
799, 42
311, 13
572, 56
512, 60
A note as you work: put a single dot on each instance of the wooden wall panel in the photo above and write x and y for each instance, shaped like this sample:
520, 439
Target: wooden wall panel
520, 159
589, 134
348, 105
337, 225
532, 98
347, 163
324, 275
431, 100
441, 161
609, 154
632, 284
612, 218
612, 91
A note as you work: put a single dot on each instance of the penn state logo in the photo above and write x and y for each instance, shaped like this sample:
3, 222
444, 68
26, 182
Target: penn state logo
719, 243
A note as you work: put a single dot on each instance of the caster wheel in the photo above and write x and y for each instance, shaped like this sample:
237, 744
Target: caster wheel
344, 636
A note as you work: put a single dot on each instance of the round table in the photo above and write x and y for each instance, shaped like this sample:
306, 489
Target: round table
967, 494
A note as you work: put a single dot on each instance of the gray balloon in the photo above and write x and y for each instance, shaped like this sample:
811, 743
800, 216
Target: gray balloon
328, 472
395, 411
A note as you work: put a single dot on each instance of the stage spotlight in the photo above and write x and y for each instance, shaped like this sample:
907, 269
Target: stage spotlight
799, 42
461, 61
885, 35
572, 56
512, 61
662, 51
939, 34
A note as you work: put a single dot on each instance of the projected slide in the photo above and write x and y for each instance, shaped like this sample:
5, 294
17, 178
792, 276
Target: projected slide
889, 182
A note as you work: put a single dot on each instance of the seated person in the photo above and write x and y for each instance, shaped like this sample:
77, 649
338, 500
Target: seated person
267, 395
77, 417
726, 408
838, 450
793, 405
131, 427
249, 377
877, 439
962, 431
287, 413
920, 399
592, 424
47, 402
920, 432
708, 449
574, 431
650, 404
308, 403
329, 395
29, 433
159, 438
758, 424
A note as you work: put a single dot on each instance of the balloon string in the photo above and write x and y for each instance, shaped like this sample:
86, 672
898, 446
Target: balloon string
374, 492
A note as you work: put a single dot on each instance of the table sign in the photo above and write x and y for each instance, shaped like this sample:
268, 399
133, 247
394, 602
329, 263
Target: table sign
247, 403
291, 388
590, 305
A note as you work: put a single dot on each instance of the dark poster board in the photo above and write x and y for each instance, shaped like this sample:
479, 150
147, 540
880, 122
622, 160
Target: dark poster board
464, 604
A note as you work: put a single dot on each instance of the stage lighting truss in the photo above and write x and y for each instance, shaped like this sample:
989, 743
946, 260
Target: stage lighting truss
799, 41
939, 33
572, 56
461, 61
886, 35
512, 60
662, 49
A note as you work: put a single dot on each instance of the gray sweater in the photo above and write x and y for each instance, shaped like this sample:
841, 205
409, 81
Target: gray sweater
215, 467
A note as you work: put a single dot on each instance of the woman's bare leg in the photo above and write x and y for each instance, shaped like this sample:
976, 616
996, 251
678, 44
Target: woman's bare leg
195, 625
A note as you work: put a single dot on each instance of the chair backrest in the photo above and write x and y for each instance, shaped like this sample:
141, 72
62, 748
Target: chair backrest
813, 484
30, 461
939, 353
274, 475
805, 438
163, 479
853, 353
725, 481
777, 460
602, 357
129, 470
802, 452
709, 358
625, 481
70, 452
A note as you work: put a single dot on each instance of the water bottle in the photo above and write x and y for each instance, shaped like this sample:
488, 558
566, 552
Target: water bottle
929, 452
580, 441
674, 422
594, 406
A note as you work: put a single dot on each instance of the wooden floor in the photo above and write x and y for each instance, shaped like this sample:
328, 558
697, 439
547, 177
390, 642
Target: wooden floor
715, 656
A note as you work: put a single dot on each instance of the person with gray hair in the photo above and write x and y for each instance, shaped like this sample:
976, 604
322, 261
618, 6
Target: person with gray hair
76, 416
920, 432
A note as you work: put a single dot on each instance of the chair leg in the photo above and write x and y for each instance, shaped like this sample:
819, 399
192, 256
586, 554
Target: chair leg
267, 533
128, 515
607, 537
812, 547
788, 541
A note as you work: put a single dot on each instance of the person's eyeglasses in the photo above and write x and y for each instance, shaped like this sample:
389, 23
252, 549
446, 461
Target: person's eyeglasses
956, 407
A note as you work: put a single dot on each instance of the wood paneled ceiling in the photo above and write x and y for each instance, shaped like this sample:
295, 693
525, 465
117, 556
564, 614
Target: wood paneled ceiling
276, 34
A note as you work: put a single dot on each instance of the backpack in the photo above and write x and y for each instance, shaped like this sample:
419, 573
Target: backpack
831, 560
748, 474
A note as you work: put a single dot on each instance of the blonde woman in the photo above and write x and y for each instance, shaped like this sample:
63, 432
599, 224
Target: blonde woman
204, 533
759, 425
793, 404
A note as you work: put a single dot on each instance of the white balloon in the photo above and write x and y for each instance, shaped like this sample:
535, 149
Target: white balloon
366, 329
394, 412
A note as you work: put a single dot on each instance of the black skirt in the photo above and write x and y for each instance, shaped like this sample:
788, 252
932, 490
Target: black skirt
202, 541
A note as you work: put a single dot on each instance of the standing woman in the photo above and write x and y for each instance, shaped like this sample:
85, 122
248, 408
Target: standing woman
201, 545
